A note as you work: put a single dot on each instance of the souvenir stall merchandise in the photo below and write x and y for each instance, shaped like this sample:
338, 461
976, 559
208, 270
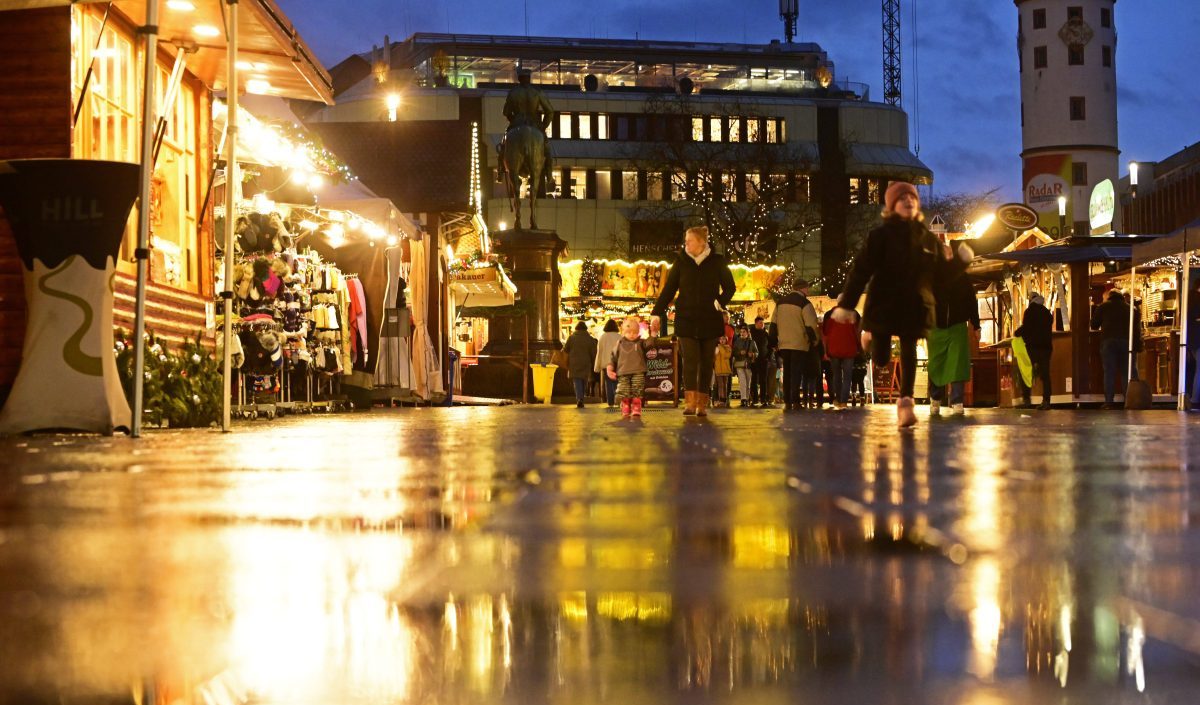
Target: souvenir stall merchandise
596, 290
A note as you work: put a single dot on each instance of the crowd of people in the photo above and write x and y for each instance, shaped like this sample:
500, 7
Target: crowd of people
916, 288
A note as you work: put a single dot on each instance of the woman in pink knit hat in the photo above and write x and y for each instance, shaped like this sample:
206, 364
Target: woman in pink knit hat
897, 268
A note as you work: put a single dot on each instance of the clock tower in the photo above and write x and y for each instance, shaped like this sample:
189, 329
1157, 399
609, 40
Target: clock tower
1067, 54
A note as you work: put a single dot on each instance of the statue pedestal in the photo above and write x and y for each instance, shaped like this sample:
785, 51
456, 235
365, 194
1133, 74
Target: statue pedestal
68, 217
532, 264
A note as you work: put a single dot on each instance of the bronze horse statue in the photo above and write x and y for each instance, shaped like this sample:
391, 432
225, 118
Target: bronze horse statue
524, 154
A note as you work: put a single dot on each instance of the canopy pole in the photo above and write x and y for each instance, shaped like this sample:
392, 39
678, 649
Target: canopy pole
231, 183
1130, 369
1185, 290
142, 253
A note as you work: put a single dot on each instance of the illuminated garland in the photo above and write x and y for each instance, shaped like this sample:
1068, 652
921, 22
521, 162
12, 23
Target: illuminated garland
321, 157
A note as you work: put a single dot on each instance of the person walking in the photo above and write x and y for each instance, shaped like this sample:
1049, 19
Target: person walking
723, 369
701, 286
897, 269
795, 328
627, 367
956, 320
761, 366
1111, 318
744, 352
581, 356
1035, 329
842, 348
604, 349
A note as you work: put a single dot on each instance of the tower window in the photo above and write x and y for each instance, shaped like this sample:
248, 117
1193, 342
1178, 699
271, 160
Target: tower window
1105, 17
1039, 57
1079, 174
1074, 13
1075, 56
1106, 56
1039, 19
1078, 108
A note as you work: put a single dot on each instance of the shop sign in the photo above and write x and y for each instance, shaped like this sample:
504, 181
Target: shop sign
1102, 207
655, 239
661, 378
483, 275
1017, 216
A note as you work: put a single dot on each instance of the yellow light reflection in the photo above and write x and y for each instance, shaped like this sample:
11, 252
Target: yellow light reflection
310, 617
985, 617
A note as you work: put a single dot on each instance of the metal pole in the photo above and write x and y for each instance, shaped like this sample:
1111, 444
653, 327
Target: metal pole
1185, 289
142, 252
231, 180
1129, 369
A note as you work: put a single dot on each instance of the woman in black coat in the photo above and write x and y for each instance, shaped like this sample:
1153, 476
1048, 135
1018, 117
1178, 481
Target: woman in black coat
897, 269
704, 285
581, 355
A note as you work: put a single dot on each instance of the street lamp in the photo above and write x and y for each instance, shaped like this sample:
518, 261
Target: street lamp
393, 103
1062, 216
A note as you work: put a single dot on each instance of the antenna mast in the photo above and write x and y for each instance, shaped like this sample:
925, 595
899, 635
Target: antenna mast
789, 10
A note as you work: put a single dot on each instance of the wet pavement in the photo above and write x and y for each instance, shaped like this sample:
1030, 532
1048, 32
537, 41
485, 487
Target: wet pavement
549, 555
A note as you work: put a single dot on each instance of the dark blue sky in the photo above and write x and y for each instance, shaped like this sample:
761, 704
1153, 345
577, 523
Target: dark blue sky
965, 79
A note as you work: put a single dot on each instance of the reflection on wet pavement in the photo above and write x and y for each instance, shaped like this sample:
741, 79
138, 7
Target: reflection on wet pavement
550, 555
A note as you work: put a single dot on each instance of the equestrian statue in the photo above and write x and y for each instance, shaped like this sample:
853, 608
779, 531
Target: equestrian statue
525, 151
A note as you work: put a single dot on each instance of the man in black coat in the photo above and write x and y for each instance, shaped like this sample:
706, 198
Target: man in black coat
1112, 319
760, 368
1036, 325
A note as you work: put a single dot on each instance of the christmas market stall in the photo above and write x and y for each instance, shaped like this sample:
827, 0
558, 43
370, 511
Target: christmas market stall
1072, 275
100, 86
319, 275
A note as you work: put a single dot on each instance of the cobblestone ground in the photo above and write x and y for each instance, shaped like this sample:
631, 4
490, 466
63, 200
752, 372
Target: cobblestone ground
551, 555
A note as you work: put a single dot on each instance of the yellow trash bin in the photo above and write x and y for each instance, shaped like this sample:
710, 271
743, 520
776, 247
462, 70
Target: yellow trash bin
543, 381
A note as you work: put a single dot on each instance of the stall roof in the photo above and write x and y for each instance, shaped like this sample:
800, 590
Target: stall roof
1076, 249
1184, 239
267, 41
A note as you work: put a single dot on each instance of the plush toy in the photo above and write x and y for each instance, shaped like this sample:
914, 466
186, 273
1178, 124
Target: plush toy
266, 281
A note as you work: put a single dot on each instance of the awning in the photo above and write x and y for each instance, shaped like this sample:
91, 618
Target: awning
1076, 249
269, 47
884, 160
1184, 239
482, 286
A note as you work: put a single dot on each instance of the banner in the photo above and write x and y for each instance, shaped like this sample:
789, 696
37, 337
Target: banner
1046, 178
662, 377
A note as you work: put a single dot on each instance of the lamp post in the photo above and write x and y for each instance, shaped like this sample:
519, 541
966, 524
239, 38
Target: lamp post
393, 103
1062, 216
1133, 184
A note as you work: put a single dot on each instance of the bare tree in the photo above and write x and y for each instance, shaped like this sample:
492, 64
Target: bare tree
960, 207
752, 194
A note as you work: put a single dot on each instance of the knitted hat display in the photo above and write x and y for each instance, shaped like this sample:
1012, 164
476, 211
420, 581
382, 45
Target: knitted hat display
895, 191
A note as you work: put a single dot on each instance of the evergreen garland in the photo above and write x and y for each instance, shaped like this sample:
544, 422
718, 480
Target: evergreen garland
180, 389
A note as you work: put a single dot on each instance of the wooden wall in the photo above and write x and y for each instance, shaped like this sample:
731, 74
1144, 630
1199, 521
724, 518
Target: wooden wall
35, 121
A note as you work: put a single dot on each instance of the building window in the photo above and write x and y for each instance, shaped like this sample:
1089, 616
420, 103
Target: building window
1075, 56
629, 185
1078, 108
1079, 175
714, 129
1039, 19
875, 191
1106, 18
602, 126
585, 126
753, 186
803, 190
697, 128
729, 189
655, 187
679, 186
604, 186
734, 125
109, 129
622, 127
775, 131
855, 191
564, 126
1074, 13
1039, 57
1106, 57
576, 187
754, 131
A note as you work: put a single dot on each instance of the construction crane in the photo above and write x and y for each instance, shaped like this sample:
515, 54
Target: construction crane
891, 52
